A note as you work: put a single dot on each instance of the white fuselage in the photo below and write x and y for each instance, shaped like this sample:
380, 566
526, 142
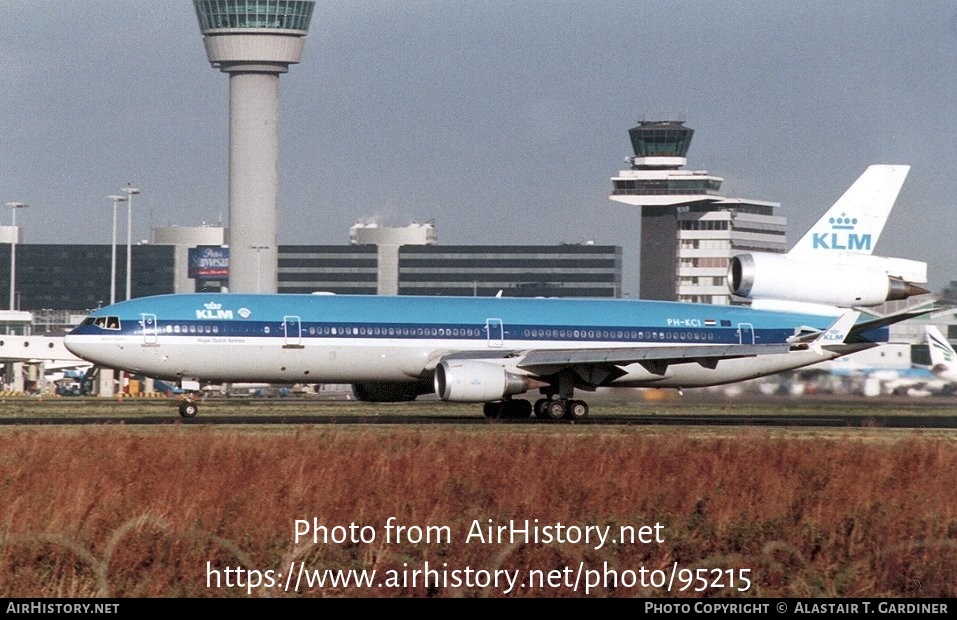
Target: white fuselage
345, 360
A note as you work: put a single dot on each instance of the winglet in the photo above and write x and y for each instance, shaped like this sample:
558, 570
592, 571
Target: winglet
837, 332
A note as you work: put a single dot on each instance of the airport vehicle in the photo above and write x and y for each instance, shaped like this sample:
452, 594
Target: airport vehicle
492, 349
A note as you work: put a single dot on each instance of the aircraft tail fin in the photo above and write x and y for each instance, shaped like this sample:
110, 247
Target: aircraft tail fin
855, 222
943, 358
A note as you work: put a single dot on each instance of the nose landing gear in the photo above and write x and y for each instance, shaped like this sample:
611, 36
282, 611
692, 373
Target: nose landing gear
188, 407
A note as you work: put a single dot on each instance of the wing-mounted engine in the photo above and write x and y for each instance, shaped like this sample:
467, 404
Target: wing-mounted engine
469, 381
852, 280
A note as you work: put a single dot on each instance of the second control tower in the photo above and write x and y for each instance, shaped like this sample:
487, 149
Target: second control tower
253, 42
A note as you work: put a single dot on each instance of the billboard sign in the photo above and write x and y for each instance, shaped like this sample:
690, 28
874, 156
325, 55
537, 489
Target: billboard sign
209, 263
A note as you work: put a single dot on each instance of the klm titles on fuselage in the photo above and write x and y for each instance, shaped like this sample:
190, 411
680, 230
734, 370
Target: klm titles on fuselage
215, 314
214, 311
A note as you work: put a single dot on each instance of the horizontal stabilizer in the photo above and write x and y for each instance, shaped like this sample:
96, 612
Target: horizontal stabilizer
889, 319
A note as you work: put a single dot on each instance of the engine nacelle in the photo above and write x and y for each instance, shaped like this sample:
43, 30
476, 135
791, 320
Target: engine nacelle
843, 283
466, 381
388, 392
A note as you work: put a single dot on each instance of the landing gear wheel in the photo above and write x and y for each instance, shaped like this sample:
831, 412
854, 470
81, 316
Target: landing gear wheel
492, 411
539, 408
188, 409
555, 409
577, 410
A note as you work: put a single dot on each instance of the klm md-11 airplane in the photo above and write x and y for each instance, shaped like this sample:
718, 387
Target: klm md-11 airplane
493, 350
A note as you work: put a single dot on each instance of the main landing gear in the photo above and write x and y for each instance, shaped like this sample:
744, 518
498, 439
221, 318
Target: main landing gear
561, 409
544, 409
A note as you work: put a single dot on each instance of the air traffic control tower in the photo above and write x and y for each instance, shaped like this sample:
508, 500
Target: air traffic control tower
689, 231
253, 41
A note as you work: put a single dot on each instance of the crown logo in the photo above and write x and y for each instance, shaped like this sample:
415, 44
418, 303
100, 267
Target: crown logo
212, 306
843, 222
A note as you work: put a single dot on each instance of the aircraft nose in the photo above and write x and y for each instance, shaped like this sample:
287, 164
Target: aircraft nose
74, 344
69, 342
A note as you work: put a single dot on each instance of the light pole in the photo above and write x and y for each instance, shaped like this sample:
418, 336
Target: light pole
13, 250
116, 199
130, 192
259, 249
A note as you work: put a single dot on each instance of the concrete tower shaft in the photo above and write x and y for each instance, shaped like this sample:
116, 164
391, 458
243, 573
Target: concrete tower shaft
253, 41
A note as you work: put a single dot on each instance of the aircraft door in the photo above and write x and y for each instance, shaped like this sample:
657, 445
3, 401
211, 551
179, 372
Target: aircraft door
745, 333
495, 332
292, 332
148, 321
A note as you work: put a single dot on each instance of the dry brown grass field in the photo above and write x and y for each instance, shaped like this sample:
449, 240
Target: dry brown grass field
212, 511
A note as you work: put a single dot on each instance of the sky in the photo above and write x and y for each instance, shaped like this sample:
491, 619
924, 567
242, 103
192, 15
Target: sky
502, 121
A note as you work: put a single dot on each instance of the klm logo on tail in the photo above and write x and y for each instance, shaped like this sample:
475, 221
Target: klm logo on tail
841, 236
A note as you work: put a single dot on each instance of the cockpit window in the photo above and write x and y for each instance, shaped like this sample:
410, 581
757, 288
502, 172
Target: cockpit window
104, 322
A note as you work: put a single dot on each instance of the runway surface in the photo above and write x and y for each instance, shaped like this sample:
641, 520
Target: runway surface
896, 412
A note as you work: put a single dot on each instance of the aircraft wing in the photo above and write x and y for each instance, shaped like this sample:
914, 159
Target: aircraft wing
654, 359
597, 365
608, 362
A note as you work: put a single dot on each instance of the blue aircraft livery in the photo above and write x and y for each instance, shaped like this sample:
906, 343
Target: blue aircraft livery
463, 349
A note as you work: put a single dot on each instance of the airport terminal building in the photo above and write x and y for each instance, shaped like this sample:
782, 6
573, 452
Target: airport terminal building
60, 283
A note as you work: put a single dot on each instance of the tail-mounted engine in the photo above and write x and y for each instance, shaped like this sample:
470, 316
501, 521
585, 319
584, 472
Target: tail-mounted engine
853, 280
